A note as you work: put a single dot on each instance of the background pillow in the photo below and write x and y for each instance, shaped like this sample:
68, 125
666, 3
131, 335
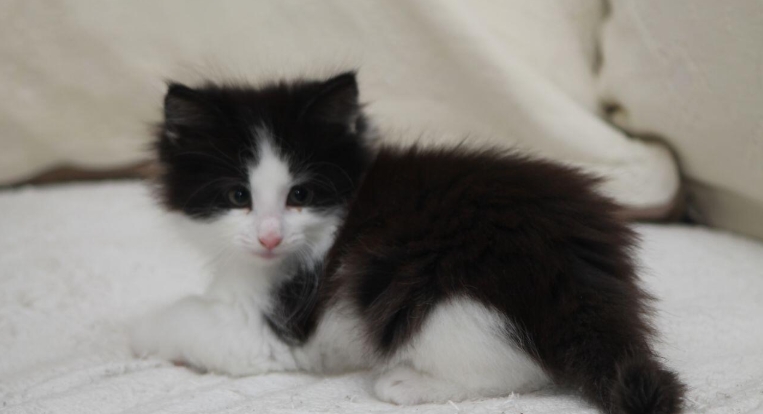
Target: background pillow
81, 80
690, 72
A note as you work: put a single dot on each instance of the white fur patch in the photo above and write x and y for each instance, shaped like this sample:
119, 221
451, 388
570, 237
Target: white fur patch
338, 344
463, 351
269, 180
212, 335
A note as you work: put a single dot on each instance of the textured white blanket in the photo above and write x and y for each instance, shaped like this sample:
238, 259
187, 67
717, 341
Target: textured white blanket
77, 262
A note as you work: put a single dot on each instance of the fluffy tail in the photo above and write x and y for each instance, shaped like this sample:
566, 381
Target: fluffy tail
643, 386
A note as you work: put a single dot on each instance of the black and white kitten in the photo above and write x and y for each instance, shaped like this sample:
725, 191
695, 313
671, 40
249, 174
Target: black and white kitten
452, 273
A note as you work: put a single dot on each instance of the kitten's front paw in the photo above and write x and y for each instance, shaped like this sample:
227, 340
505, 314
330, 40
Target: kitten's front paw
168, 333
148, 339
145, 338
204, 335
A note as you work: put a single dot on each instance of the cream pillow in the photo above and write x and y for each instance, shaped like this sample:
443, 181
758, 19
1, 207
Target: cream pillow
81, 79
691, 73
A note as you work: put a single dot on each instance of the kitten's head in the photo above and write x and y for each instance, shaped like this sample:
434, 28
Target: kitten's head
267, 170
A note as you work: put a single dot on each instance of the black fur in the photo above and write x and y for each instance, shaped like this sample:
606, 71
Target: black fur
529, 238
294, 318
208, 139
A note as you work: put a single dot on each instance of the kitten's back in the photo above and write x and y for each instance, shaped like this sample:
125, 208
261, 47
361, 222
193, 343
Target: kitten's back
529, 239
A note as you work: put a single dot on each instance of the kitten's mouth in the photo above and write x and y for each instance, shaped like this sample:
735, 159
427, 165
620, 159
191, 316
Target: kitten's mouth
267, 254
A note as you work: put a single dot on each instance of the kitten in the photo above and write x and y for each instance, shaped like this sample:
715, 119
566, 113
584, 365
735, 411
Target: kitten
452, 273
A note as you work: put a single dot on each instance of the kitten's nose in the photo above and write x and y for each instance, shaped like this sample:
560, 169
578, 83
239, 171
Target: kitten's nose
269, 232
270, 241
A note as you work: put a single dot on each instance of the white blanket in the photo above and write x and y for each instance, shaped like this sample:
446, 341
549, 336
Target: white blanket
77, 262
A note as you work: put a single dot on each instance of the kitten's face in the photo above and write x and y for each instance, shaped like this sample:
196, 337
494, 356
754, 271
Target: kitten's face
265, 172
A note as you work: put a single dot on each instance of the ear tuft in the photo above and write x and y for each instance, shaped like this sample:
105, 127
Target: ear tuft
183, 107
336, 101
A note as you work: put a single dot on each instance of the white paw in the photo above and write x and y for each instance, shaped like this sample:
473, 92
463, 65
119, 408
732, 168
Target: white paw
206, 336
148, 337
143, 337
405, 386
175, 333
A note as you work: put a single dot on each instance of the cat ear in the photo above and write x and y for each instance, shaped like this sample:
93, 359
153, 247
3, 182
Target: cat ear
336, 102
183, 107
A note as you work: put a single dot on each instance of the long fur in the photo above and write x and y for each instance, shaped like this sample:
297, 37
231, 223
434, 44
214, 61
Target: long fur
454, 273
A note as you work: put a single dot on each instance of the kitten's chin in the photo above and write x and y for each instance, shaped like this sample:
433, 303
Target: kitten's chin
266, 258
266, 255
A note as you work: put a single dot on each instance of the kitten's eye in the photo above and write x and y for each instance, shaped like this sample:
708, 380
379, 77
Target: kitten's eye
238, 197
299, 196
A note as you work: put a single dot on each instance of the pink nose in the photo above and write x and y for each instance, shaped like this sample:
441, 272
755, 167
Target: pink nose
270, 241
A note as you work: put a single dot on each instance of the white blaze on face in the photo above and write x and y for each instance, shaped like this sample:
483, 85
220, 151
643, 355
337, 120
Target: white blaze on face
270, 182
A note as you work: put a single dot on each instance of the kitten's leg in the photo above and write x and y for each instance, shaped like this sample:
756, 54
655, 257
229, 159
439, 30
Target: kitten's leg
464, 350
212, 335
405, 386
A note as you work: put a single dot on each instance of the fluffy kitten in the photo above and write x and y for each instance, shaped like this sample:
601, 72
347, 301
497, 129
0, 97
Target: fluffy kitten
452, 273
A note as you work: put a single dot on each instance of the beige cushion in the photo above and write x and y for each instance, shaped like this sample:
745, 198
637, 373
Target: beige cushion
82, 79
691, 72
